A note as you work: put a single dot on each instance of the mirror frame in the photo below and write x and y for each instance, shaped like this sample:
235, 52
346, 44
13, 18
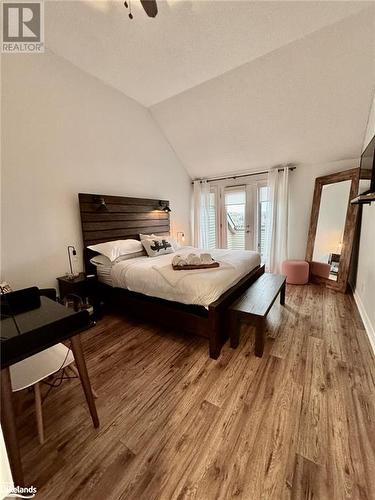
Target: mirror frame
352, 175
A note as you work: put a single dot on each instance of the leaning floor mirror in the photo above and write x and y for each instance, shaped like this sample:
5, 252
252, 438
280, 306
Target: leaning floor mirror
332, 228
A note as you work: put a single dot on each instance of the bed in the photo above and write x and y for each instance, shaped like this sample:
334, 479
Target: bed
196, 302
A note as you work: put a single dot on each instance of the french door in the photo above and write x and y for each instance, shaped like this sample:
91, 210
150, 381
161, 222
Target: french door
238, 215
238, 231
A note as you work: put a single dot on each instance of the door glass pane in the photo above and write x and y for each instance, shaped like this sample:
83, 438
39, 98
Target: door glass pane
264, 207
212, 221
235, 205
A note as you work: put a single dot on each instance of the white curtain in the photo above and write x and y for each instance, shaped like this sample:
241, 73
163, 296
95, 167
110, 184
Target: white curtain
277, 220
201, 213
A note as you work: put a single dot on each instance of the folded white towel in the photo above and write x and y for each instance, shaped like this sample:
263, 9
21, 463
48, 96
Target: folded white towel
206, 258
174, 277
193, 259
178, 260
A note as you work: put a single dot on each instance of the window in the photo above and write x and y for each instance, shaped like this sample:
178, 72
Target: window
212, 220
237, 216
235, 207
263, 214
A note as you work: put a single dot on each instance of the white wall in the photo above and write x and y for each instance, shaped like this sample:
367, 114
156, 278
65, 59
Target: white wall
370, 130
65, 132
6, 480
365, 283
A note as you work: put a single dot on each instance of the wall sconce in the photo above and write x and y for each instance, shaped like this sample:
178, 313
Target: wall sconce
164, 205
180, 236
101, 203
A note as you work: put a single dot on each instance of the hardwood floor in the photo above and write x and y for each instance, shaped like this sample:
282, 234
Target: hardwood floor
298, 423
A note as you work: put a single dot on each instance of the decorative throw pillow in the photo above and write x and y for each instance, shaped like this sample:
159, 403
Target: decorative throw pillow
5, 288
158, 246
176, 246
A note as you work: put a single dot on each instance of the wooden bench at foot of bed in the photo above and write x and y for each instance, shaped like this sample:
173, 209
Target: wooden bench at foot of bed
253, 307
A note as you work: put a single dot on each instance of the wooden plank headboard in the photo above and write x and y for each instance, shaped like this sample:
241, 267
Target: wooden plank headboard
120, 218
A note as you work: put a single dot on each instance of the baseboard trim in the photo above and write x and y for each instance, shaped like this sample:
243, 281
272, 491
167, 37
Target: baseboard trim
366, 320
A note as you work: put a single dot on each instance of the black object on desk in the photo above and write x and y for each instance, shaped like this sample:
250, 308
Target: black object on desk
35, 323
29, 324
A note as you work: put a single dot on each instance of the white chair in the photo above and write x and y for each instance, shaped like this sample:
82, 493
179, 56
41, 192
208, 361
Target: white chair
31, 371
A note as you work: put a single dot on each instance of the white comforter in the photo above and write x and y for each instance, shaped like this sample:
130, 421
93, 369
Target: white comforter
154, 276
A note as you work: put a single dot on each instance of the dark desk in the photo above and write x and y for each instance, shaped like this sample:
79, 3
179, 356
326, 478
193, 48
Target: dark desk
38, 324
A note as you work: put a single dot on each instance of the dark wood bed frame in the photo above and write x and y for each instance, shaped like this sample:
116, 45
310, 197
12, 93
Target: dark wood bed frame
109, 218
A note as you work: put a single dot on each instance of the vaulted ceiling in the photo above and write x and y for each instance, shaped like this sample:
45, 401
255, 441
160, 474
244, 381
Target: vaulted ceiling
234, 85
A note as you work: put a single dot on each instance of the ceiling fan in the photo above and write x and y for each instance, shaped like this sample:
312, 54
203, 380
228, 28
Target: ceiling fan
149, 6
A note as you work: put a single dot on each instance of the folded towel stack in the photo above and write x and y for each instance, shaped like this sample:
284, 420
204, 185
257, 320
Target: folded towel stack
178, 260
192, 259
206, 258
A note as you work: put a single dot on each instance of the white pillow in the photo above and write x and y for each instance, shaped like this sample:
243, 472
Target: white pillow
102, 260
113, 249
176, 246
142, 253
147, 236
158, 246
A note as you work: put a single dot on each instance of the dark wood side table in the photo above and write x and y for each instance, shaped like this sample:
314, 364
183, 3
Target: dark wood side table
81, 286
29, 324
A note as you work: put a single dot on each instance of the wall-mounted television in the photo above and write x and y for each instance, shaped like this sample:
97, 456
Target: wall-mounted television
367, 169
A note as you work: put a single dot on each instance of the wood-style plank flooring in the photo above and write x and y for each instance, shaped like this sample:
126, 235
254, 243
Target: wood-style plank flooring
297, 424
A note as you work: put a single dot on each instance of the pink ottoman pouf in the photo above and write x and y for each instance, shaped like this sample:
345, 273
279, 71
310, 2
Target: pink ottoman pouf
296, 271
320, 269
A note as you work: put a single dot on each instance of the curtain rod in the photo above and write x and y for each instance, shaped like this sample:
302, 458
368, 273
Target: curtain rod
244, 175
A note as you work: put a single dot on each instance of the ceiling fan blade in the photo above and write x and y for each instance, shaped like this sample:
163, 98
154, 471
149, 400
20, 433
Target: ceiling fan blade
150, 7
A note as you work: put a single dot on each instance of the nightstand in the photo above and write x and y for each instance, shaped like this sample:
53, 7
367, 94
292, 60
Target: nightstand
81, 286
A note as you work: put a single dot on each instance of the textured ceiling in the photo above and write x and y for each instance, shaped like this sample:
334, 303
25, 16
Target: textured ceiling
234, 85
305, 103
189, 42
